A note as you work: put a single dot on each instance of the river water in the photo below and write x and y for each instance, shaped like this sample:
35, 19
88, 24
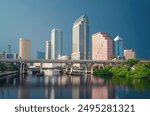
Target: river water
72, 87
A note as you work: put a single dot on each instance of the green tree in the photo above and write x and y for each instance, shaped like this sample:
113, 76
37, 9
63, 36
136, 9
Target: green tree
119, 71
132, 62
3, 66
8, 67
140, 71
102, 71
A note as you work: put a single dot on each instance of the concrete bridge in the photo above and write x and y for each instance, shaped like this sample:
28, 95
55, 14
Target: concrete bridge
60, 61
69, 63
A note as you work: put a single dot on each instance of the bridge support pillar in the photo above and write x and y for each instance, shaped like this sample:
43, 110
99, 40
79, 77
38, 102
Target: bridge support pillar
71, 69
91, 69
21, 69
41, 68
66, 69
86, 69
91, 66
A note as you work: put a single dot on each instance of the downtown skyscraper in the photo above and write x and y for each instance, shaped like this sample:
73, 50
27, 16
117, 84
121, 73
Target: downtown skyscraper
47, 50
119, 47
24, 49
80, 38
56, 43
102, 46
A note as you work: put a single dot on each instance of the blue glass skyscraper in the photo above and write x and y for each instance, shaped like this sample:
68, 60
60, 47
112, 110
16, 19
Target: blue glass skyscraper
119, 47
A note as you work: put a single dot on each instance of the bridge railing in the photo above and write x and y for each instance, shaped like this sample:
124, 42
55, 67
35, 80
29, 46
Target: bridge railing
60, 61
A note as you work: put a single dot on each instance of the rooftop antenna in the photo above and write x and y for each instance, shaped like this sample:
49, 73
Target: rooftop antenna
9, 48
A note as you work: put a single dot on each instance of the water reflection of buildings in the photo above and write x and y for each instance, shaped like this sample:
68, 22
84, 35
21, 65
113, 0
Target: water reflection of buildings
30, 87
102, 89
86, 87
71, 87
66, 87
23, 89
62, 87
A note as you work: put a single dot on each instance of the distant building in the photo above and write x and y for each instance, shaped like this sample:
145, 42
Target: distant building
11, 56
1, 56
129, 54
48, 50
119, 47
80, 38
40, 55
24, 49
56, 43
102, 46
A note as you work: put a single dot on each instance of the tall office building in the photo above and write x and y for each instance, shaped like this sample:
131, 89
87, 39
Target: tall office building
48, 50
129, 54
119, 47
24, 49
102, 46
80, 39
56, 43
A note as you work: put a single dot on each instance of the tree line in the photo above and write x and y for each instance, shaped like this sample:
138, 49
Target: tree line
8, 67
131, 68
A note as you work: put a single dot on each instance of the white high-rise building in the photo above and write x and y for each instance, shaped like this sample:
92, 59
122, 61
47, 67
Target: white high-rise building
24, 49
56, 43
48, 50
80, 39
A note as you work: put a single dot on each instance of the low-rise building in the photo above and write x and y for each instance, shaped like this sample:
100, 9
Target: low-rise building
129, 54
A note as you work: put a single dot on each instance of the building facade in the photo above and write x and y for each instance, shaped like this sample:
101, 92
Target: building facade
24, 49
2, 56
102, 46
11, 56
129, 54
119, 47
47, 50
40, 55
80, 39
56, 43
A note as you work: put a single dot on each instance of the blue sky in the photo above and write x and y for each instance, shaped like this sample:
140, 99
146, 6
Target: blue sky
34, 19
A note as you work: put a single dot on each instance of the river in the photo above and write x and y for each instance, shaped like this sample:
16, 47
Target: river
72, 87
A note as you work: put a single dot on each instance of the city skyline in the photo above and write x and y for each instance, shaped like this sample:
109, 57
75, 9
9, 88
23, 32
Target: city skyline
129, 19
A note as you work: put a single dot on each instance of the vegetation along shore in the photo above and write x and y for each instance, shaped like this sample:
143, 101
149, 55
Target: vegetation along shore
131, 69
